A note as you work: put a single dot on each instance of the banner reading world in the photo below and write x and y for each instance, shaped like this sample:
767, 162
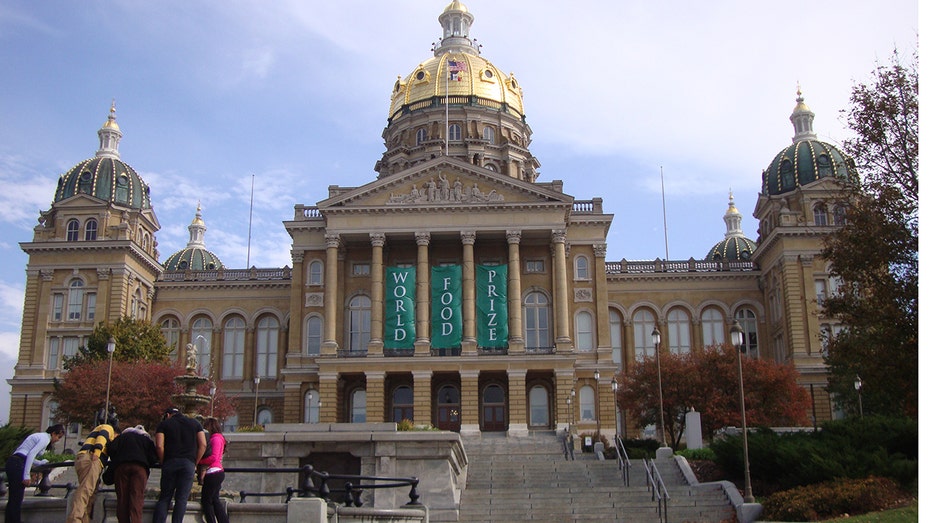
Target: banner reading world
491, 306
400, 285
446, 301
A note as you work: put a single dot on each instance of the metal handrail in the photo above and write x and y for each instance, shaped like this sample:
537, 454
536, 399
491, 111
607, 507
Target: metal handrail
657, 489
623, 460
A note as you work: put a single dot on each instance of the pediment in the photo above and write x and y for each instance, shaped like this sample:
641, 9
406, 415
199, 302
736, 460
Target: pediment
444, 183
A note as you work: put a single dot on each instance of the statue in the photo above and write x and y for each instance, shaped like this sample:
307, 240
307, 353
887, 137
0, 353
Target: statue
191, 359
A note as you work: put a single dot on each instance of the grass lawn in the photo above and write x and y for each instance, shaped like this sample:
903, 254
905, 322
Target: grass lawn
907, 514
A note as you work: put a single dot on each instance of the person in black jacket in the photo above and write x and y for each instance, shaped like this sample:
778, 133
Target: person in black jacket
131, 456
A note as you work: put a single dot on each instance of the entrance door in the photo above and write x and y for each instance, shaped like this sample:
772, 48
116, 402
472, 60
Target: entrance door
494, 409
448, 408
539, 408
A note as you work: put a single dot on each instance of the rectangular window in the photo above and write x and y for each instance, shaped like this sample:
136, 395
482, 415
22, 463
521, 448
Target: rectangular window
70, 346
75, 302
53, 353
58, 303
533, 266
361, 269
91, 305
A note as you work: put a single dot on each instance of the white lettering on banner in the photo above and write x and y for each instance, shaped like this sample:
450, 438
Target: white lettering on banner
447, 329
399, 306
493, 319
400, 334
400, 277
400, 291
446, 282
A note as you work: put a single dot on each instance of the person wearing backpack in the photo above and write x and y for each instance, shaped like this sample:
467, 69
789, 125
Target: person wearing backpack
213, 508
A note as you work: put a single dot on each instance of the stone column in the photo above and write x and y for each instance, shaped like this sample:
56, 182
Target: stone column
517, 402
330, 293
329, 397
515, 317
603, 338
470, 403
468, 292
423, 393
298, 277
561, 305
376, 344
565, 384
375, 396
422, 344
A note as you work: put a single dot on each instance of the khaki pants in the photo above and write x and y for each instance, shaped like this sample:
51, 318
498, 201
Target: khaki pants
88, 468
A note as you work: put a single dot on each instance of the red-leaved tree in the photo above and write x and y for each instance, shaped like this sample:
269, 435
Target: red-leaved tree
706, 380
140, 392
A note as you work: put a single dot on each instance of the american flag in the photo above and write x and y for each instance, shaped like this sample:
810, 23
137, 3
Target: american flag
455, 68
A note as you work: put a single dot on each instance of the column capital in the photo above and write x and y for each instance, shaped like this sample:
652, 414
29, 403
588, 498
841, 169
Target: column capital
332, 240
423, 238
559, 235
377, 238
601, 250
468, 237
375, 374
297, 256
513, 236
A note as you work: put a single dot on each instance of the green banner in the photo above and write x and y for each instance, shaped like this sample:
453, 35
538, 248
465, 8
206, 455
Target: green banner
491, 306
400, 327
446, 309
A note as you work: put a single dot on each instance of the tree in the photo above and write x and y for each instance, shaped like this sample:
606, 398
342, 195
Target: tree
139, 390
136, 340
876, 253
706, 380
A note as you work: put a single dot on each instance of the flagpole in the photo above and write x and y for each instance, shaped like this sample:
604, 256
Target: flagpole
249, 243
446, 136
662, 184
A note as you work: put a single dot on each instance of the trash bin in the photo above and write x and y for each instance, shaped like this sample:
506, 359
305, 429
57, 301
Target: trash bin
587, 444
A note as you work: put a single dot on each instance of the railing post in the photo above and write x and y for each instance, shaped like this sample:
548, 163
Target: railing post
415, 497
45, 484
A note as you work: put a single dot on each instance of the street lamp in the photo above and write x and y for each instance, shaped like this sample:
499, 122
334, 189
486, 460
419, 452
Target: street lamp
737, 340
597, 405
858, 384
213, 393
659, 380
255, 411
111, 348
617, 425
568, 414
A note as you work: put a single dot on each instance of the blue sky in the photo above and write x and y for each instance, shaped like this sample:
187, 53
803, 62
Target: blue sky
209, 94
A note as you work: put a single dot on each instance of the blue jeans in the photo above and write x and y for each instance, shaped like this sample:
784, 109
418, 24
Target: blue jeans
177, 480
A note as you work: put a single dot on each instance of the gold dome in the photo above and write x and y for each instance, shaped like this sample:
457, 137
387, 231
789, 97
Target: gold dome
480, 78
456, 5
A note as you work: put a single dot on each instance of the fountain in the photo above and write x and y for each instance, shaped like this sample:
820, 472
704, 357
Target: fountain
189, 400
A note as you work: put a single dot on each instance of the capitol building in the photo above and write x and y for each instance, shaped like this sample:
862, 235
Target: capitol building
456, 288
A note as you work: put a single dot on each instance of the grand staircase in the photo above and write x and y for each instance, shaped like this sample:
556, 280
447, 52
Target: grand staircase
528, 479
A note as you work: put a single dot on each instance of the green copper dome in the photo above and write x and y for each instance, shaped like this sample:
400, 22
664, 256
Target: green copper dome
807, 159
195, 256
106, 176
735, 246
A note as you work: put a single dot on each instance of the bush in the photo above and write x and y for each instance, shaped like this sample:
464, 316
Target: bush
641, 448
10, 438
251, 428
832, 499
697, 454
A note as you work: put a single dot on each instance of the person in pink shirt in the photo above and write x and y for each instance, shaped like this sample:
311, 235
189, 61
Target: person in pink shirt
213, 475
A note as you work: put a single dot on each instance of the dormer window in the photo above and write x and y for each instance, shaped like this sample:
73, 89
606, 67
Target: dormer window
72, 230
85, 182
421, 136
455, 132
90, 230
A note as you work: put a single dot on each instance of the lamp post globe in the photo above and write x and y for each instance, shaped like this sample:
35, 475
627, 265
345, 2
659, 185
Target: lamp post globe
255, 411
657, 339
858, 384
737, 340
111, 348
617, 426
597, 377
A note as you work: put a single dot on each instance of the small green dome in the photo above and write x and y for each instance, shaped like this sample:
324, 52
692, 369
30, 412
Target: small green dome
107, 178
734, 248
193, 258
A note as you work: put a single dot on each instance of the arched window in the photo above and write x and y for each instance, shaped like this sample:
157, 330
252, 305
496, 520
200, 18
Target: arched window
537, 321
314, 333
584, 337
359, 323
90, 230
824, 165
86, 182
402, 404
491, 167
357, 408
747, 320
421, 136
614, 326
712, 327
264, 416
234, 347
171, 330
586, 402
840, 215
312, 406
677, 322
488, 133
315, 273
785, 174
455, 132
266, 347
581, 268
72, 230
643, 324
539, 407
122, 188
820, 214
75, 300
135, 305
202, 338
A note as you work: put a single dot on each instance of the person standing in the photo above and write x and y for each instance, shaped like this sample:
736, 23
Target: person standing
89, 464
214, 509
179, 443
19, 466
132, 455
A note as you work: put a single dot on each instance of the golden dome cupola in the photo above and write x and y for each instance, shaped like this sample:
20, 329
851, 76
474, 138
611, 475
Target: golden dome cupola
458, 104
